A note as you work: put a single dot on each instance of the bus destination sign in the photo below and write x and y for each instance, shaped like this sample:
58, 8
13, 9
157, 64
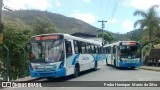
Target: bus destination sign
46, 38
129, 43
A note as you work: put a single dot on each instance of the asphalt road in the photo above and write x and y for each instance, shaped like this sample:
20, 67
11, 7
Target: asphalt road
105, 73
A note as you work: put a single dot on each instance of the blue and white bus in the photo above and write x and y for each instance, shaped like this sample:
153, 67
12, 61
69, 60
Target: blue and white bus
123, 54
57, 55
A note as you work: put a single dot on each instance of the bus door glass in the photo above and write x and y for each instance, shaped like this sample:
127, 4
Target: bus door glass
68, 47
117, 54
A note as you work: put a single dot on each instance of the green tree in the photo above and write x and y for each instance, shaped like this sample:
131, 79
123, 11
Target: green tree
106, 36
16, 33
150, 21
43, 26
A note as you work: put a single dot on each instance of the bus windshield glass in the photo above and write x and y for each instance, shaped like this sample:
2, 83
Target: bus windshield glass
130, 51
47, 50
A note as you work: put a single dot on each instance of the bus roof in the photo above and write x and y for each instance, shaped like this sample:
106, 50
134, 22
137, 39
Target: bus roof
117, 43
68, 36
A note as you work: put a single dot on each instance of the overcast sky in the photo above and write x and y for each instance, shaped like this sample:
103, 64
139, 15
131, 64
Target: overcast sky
91, 11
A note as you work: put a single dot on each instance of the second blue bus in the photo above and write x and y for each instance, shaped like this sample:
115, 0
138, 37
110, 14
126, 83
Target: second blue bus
123, 54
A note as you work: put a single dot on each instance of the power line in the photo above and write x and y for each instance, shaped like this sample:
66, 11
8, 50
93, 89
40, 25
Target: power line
107, 7
9, 1
100, 9
115, 8
6, 7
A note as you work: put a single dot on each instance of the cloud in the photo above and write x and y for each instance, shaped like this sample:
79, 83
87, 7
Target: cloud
87, 1
31, 4
141, 4
86, 17
112, 21
127, 25
57, 3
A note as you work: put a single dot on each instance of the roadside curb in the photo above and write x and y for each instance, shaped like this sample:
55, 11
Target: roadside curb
158, 70
26, 79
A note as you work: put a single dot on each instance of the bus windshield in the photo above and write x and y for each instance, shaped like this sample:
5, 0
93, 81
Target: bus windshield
47, 51
130, 51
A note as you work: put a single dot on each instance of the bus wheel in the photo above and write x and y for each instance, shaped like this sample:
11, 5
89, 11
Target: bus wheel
76, 71
95, 66
133, 68
107, 63
114, 63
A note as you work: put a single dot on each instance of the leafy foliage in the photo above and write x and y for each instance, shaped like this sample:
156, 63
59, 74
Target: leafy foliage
106, 36
16, 33
149, 27
150, 21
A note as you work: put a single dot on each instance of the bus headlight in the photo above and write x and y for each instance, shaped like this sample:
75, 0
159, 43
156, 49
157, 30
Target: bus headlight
124, 60
30, 66
54, 66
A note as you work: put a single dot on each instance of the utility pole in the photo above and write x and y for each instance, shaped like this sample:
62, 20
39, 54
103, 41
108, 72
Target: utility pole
102, 30
1, 25
102, 37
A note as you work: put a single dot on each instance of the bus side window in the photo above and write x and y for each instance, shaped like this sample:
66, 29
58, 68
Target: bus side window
92, 49
114, 49
98, 49
88, 48
105, 50
95, 49
108, 50
79, 47
68, 48
76, 47
83, 47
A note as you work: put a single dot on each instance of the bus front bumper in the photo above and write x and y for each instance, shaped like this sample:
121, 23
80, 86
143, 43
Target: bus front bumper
57, 73
123, 64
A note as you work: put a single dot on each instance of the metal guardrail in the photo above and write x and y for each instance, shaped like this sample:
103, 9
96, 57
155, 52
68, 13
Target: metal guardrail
7, 63
24, 61
6, 73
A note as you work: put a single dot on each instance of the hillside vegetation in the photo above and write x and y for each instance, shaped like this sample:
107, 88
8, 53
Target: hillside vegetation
62, 23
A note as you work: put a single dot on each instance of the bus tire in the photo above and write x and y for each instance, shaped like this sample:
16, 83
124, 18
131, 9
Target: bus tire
95, 66
76, 70
114, 63
107, 63
133, 68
